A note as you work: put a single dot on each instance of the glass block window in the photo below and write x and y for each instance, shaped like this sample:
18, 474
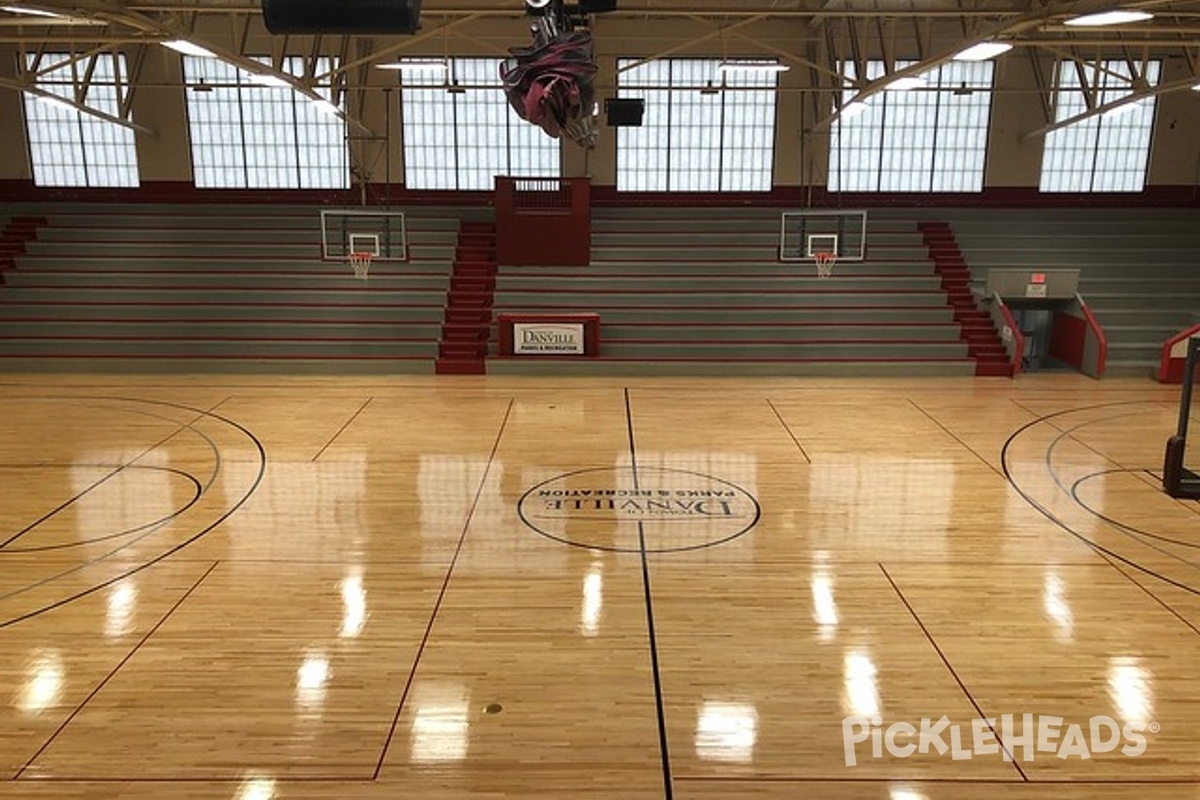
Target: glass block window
249, 136
932, 138
459, 131
68, 147
703, 131
1104, 153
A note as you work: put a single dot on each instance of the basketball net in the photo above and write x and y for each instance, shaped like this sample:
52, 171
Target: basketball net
361, 262
825, 262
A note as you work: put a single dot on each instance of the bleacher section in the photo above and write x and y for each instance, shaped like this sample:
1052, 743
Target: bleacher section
695, 291
1140, 269
217, 289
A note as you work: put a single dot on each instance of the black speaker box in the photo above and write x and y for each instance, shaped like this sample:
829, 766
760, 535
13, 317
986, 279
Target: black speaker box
342, 16
597, 6
624, 113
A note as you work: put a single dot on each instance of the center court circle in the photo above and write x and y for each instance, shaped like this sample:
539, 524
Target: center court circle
613, 508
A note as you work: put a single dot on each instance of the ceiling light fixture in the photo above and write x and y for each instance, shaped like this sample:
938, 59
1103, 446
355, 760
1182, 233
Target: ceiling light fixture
416, 65
189, 48
33, 12
906, 84
751, 65
270, 81
984, 51
1115, 17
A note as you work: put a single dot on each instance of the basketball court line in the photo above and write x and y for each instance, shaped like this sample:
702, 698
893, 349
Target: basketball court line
112, 673
1032, 502
953, 436
799, 446
953, 672
663, 746
643, 553
250, 491
342, 429
437, 605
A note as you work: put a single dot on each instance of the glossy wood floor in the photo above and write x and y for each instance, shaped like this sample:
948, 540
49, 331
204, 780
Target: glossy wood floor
482, 588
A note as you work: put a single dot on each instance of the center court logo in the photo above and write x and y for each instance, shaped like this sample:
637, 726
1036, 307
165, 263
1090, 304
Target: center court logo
1023, 738
623, 510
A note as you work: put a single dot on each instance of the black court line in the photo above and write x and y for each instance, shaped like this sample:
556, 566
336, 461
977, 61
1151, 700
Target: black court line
342, 429
79, 708
182, 426
1146, 589
953, 673
1048, 514
663, 748
955, 437
229, 512
787, 428
437, 605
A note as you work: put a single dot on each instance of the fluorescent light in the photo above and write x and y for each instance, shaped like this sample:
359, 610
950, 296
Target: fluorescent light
905, 84
416, 65
189, 48
1116, 17
326, 107
1196, 88
273, 81
752, 65
984, 51
854, 109
33, 12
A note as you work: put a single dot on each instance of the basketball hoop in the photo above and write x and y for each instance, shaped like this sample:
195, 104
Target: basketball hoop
825, 262
361, 262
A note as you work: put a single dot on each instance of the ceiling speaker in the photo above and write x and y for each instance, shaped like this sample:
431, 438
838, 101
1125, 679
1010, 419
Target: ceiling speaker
624, 113
343, 16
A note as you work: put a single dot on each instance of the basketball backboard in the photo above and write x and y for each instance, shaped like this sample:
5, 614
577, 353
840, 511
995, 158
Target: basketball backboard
806, 234
382, 234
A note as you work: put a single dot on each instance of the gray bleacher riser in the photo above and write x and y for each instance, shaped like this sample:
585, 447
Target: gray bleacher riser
648, 282
780, 333
763, 239
201, 280
1142, 285
223, 253
701, 270
1171, 302
213, 312
428, 330
721, 315
1144, 333
234, 242
755, 350
299, 269
211, 348
726, 253
201, 263
1078, 259
718, 299
366, 297
1118, 318
600, 367
188, 363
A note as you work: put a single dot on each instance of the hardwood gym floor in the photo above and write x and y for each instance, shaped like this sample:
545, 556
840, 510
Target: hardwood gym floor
216, 587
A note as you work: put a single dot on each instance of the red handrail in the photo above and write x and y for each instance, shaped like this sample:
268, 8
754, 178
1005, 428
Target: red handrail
1164, 361
1102, 357
1018, 338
